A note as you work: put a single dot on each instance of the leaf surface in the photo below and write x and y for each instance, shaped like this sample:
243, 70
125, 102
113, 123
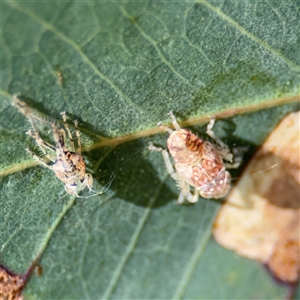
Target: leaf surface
119, 68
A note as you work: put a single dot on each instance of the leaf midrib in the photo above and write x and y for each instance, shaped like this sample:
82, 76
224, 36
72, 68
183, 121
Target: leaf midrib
116, 141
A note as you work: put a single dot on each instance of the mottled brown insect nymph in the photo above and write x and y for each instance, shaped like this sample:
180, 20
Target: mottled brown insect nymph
198, 163
68, 165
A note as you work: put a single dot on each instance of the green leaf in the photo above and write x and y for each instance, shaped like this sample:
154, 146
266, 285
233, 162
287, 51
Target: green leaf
119, 68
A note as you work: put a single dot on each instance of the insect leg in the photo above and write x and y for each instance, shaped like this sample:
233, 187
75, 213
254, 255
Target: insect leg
41, 143
40, 160
166, 158
63, 114
174, 121
223, 150
185, 192
59, 138
210, 132
78, 137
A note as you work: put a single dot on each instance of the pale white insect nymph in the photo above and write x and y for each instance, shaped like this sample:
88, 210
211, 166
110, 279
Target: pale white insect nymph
198, 163
68, 165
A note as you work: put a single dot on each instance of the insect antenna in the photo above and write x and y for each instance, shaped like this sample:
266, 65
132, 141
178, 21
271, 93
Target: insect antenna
103, 190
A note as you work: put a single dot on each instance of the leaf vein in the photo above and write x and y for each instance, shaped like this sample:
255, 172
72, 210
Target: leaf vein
192, 264
134, 239
79, 51
249, 34
154, 44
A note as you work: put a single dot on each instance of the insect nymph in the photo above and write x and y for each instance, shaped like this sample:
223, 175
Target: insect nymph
68, 165
198, 163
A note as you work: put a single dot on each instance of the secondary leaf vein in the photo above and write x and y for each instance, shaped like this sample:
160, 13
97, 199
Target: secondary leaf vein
249, 34
78, 50
192, 264
154, 44
134, 239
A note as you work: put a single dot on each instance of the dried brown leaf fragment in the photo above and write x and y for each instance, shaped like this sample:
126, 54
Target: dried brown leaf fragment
11, 285
260, 219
